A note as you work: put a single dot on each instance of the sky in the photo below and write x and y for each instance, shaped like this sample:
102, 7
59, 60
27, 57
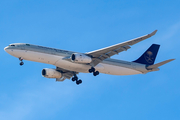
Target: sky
84, 26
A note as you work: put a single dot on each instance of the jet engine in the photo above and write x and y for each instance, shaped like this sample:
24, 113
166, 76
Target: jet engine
51, 73
80, 58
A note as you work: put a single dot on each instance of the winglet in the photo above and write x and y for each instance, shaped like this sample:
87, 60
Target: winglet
159, 64
153, 33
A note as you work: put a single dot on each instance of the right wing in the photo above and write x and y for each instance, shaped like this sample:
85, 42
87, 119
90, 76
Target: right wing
101, 54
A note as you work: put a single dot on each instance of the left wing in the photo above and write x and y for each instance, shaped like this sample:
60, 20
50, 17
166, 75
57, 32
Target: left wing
66, 74
101, 54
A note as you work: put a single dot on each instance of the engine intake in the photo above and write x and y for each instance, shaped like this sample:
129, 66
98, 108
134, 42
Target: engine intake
80, 58
51, 73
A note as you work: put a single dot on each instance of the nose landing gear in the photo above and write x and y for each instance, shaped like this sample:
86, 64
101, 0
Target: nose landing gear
21, 63
75, 78
95, 73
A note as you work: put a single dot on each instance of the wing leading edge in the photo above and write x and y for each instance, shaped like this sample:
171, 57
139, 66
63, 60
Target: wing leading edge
104, 53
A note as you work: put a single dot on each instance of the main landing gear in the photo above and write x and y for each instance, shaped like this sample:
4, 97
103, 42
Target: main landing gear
75, 78
95, 73
92, 70
21, 63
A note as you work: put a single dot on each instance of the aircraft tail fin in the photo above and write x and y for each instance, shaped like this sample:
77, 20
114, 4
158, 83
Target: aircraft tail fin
159, 64
149, 56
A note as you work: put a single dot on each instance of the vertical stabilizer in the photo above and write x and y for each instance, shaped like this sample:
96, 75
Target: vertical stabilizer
149, 56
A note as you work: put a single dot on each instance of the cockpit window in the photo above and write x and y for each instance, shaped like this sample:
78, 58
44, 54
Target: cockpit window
28, 44
12, 45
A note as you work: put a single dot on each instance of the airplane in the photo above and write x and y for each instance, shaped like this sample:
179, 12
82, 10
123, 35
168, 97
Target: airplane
69, 64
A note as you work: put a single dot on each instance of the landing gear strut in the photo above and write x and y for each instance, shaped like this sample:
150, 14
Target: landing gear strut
21, 63
95, 73
75, 78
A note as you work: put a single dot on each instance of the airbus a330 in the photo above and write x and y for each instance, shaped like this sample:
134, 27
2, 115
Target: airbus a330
69, 64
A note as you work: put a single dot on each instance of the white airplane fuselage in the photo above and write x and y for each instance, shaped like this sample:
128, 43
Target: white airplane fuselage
56, 57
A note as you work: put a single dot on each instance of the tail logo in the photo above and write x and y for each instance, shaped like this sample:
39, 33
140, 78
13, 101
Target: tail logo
149, 57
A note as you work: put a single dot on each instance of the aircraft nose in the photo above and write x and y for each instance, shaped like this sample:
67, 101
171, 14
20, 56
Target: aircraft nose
8, 50
5, 49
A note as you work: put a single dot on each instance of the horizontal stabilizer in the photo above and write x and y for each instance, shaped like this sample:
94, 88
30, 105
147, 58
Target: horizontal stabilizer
159, 64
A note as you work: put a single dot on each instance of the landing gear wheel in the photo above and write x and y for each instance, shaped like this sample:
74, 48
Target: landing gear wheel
75, 78
21, 63
96, 73
92, 70
78, 82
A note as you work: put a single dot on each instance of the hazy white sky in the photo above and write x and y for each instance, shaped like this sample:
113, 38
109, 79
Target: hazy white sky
84, 26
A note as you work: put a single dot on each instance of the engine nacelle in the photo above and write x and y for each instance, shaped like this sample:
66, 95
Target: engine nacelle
51, 73
80, 58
